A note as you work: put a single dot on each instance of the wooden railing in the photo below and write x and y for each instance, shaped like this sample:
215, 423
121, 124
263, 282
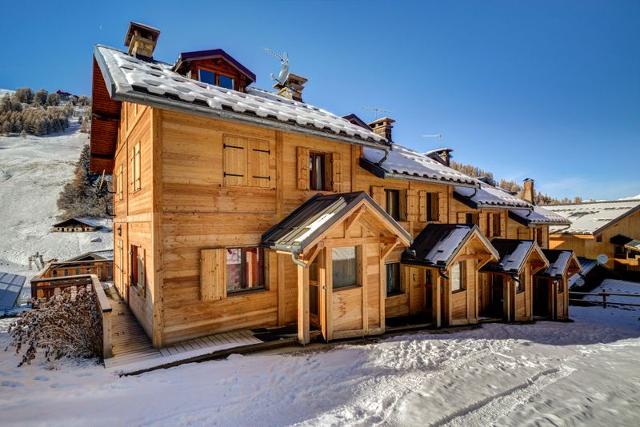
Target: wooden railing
603, 298
101, 268
46, 287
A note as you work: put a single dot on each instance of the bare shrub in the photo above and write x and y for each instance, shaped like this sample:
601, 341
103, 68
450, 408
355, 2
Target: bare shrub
66, 325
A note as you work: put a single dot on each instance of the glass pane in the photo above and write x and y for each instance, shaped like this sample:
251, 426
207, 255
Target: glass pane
393, 202
393, 279
253, 268
344, 267
234, 269
313, 299
224, 81
207, 77
454, 277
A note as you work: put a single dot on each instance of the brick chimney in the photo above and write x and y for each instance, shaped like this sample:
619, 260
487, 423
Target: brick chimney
383, 127
141, 40
292, 88
528, 192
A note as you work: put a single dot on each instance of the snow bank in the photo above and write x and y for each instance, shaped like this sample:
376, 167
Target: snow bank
33, 171
581, 373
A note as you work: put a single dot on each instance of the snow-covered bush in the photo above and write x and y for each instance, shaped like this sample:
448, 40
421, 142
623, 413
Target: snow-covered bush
66, 325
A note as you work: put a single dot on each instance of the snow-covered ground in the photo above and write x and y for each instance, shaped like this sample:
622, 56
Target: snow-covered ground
33, 171
581, 373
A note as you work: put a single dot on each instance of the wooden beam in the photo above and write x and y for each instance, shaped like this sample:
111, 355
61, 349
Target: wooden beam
353, 219
387, 250
303, 305
281, 289
313, 253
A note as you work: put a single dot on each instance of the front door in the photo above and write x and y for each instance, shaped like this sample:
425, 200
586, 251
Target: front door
541, 298
496, 296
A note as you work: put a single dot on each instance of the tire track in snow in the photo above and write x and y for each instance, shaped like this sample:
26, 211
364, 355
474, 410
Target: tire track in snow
487, 411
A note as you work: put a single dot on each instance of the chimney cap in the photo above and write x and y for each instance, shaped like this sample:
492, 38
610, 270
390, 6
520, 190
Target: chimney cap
146, 31
528, 179
382, 120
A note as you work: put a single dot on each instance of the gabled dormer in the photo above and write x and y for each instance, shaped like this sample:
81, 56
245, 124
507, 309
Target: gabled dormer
215, 67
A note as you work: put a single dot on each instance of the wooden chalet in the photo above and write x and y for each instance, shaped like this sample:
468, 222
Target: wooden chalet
610, 228
74, 225
239, 208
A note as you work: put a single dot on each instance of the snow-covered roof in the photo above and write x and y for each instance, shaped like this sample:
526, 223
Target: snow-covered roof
487, 196
403, 162
592, 217
154, 83
437, 244
513, 255
559, 261
538, 216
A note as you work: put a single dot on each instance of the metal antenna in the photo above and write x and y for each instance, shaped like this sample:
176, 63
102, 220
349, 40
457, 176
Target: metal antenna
379, 112
283, 75
432, 135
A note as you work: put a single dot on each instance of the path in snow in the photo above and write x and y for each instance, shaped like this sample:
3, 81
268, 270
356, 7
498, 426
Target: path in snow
33, 171
544, 373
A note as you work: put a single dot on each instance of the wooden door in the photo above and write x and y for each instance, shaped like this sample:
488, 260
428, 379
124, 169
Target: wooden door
541, 298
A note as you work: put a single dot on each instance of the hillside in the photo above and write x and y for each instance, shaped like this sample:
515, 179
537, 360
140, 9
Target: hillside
33, 171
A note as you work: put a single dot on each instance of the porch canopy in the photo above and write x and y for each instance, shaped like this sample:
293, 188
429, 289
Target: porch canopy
561, 262
514, 255
437, 245
352, 230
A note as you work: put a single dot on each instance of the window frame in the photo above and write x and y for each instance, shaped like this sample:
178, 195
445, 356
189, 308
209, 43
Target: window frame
462, 277
232, 79
474, 216
136, 167
521, 283
496, 224
262, 266
432, 209
357, 261
137, 273
399, 290
325, 171
397, 193
215, 79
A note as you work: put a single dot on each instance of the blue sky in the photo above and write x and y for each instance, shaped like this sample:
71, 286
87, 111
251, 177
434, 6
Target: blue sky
544, 89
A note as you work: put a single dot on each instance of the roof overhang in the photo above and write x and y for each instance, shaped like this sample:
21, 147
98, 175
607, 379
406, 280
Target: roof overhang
381, 172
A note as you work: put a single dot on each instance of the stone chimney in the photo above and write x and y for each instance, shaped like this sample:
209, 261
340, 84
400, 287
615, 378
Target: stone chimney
442, 155
528, 192
292, 88
383, 127
141, 40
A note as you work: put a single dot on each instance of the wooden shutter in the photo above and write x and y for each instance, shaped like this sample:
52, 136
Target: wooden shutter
141, 271
234, 161
462, 217
132, 170
303, 168
435, 206
336, 172
377, 194
412, 205
422, 206
259, 155
212, 274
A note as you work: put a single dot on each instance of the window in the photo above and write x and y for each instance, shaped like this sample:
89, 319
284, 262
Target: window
345, 267
433, 209
393, 279
393, 203
428, 278
520, 284
206, 76
496, 230
120, 182
225, 81
471, 219
135, 168
319, 178
539, 236
458, 276
599, 238
619, 252
245, 269
137, 267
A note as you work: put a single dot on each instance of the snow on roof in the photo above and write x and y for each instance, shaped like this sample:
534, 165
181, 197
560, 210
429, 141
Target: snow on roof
153, 82
538, 216
513, 255
487, 196
592, 217
406, 163
559, 260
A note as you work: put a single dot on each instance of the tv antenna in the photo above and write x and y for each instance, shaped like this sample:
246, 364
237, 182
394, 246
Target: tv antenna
378, 112
432, 135
283, 75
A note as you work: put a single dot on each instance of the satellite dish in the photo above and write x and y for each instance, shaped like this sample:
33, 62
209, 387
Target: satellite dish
602, 259
580, 281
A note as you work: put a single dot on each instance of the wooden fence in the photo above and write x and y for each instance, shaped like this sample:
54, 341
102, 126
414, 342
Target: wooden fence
46, 287
603, 298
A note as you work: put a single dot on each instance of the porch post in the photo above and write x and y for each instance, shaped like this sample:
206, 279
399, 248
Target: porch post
507, 298
303, 305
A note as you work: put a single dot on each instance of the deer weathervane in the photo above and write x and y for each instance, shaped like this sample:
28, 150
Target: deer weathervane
281, 79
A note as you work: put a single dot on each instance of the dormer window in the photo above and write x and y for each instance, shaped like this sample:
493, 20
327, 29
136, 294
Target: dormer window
225, 81
210, 77
206, 76
214, 67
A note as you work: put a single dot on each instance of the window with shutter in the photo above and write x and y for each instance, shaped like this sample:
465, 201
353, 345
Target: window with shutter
412, 205
432, 207
259, 154
212, 274
137, 181
120, 183
234, 161
137, 263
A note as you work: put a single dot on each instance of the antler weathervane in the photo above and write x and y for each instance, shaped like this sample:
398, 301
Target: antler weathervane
281, 79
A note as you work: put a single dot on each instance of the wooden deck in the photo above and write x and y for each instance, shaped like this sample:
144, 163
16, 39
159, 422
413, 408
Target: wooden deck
132, 349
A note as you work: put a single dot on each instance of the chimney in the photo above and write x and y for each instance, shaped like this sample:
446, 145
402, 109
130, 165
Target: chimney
383, 127
528, 192
292, 88
141, 40
442, 155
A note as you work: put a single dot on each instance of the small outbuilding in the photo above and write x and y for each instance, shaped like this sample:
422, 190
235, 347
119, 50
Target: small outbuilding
74, 225
551, 286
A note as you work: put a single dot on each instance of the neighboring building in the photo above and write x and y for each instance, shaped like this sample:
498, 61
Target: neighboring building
240, 208
74, 225
10, 289
610, 228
